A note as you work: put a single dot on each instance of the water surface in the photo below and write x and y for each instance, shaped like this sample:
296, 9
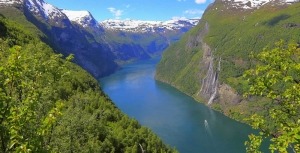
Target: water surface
176, 118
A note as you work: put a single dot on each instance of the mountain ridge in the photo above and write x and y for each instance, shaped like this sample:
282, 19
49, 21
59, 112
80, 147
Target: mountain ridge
84, 19
96, 49
137, 26
256, 4
209, 61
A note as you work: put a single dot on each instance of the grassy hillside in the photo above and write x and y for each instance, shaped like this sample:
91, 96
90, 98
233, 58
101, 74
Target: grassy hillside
235, 34
180, 61
232, 35
48, 104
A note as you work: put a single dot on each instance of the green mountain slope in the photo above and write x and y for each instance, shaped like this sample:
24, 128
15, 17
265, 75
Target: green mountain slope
67, 38
208, 62
48, 104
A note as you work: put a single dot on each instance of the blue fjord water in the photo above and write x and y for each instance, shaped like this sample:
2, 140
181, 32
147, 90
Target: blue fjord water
176, 118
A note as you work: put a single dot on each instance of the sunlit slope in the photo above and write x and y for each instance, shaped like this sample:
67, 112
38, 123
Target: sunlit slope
49, 104
218, 49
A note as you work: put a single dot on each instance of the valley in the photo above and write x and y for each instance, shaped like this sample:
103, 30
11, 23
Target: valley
69, 83
98, 49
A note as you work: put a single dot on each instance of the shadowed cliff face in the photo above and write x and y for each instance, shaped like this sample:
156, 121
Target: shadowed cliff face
66, 38
94, 57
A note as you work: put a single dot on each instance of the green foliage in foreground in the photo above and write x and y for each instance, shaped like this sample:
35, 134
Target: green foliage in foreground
277, 77
48, 104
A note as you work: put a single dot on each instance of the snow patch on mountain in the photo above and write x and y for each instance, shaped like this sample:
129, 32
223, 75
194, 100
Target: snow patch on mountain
148, 26
10, 2
253, 4
48, 11
83, 18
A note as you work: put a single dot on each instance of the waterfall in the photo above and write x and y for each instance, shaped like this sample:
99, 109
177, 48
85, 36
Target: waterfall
215, 84
212, 97
210, 83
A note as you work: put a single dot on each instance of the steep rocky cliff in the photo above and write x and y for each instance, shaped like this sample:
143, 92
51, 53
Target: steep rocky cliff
66, 36
209, 61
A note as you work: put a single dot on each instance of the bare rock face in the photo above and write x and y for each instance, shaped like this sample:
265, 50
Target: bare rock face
208, 71
210, 83
211, 90
228, 95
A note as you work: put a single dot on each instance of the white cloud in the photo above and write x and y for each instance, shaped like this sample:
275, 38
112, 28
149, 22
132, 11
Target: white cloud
116, 13
194, 12
200, 1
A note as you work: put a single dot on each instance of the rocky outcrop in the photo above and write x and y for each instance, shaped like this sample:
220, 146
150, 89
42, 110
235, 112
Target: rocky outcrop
227, 95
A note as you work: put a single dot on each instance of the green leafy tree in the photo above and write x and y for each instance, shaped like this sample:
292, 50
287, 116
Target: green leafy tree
277, 77
26, 117
48, 104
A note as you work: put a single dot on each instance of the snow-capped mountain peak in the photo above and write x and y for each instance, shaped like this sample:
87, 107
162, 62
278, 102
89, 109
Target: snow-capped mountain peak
40, 9
253, 4
46, 10
83, 18
148, 26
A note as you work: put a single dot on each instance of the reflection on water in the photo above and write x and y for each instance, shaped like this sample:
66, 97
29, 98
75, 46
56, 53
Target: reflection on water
178, 119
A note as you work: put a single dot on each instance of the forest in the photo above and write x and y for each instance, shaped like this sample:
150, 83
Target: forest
49, 104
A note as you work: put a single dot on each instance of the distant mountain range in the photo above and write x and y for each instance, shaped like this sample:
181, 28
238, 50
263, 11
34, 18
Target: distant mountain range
138, 26
143, 39
98, 47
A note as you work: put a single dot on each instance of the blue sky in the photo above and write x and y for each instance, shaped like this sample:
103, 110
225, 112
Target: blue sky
161, 10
